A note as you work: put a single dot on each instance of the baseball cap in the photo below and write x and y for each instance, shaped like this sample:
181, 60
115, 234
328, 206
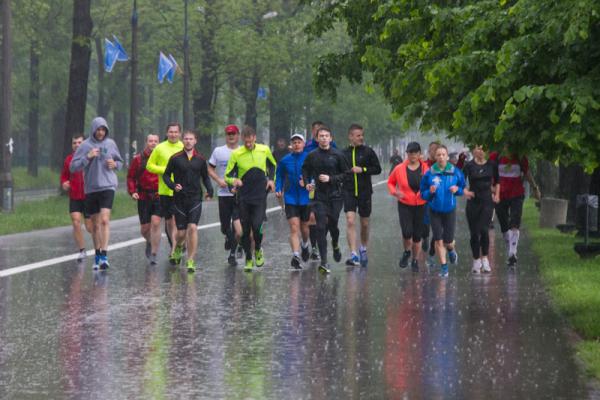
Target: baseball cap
231, 129
297, 136
413, 147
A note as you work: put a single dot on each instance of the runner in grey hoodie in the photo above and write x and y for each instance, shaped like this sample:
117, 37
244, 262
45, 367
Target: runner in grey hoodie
99, 157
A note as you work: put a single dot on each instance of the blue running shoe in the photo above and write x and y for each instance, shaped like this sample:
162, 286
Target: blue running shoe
453, 257
353, 260
444, 270
364, 259
104, 263
96, 262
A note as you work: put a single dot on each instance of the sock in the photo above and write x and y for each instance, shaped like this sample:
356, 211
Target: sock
514, 241
103, 253
80, 250
354, 254
304, 244
97, 252
363, 248
296, 254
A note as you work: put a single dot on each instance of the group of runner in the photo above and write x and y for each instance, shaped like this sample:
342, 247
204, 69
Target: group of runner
313, 180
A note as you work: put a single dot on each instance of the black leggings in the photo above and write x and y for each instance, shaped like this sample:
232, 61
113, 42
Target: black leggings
227, 214
479, 216
509, 212
411, 221
252, 217
327, 216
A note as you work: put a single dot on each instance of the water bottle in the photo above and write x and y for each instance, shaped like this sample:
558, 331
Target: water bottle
311, 194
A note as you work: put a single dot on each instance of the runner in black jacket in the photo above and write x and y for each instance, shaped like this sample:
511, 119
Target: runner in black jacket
324, 171
188, 169
358, 191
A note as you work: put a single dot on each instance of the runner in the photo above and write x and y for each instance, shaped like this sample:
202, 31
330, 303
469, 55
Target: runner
325, 169
289, 174
395, 159
142, 186
281, 149
439, 187
311, 145
404, 183
99, 157
358, 191
483, 192
512, 170
187, 169
229, 214
427, 245
251, 169
157, 163
73, 183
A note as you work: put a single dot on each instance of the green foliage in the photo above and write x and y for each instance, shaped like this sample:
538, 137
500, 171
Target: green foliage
523, 73
46, 179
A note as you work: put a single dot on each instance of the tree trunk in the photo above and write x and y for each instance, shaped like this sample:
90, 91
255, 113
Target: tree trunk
58, 129
250, 98
101, 107
6, 182
34, 109
78, 72
547, 178
134, 110
280, 123
572, 181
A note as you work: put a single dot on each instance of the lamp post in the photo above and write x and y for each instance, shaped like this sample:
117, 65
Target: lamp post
187, 124
133, 111
6, 142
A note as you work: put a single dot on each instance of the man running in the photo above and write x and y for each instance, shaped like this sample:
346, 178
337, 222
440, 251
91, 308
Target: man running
323, 171
251, 170
157, 163
229, 214
512, 171
187, 169
289, 175
99, 157
395, 159
142, 186
358, 191
281, 149
73, 183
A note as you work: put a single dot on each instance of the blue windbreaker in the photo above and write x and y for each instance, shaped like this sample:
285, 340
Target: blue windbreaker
287, 179
442, 201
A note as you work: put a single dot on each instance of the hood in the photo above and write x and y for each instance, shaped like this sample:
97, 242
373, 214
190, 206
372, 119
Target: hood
97, 123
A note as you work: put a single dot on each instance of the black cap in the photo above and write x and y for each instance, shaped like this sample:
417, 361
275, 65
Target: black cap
413, 147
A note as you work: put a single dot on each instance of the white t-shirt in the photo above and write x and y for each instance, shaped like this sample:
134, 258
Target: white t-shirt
219, 159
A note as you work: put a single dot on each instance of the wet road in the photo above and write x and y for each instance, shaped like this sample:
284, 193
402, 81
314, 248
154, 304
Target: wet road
143, 331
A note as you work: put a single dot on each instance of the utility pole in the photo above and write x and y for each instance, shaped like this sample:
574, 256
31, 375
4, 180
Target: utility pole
187, 123
134, 92
6, 181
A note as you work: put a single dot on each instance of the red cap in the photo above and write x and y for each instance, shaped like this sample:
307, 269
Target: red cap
231, 129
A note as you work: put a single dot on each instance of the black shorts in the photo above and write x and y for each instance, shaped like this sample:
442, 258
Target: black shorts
411, 221
77, 206
509, 213
187, 211
302, 212
352, 203
229, 211
166, 206
148, 208
96, 201
443, 225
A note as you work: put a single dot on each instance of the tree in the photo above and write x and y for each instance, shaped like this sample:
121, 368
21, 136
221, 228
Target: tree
6, 183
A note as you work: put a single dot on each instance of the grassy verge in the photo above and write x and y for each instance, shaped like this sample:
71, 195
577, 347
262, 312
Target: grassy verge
46, 179
53, 212
573, 284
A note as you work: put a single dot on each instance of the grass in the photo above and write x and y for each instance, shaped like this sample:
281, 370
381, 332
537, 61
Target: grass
573, 284
53, 212
46, 179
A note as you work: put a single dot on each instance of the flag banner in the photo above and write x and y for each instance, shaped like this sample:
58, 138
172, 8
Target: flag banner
262, 93
164, 66
174, 68
111, 53
122, 53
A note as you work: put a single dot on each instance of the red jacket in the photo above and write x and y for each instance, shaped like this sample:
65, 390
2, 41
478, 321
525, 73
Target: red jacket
399, 179
75, 178
140, 180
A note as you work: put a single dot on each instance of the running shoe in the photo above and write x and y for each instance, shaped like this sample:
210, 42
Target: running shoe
337, 254
476, 266
153, 259
148, 250
314, 255
103, 262
259, 257
444, 270
453, 257
249, 266
414, 265
231, 260
190, 265
324, 268
175, 258
296, 263
404, 260
364, 259
353, 260
512, 260
485, 265
96, 262
239, 253
305, 254
81, 256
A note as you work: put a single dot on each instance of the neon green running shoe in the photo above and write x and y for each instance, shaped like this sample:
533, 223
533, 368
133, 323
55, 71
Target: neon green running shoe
191, 266
249, 266
260, 258
175, 258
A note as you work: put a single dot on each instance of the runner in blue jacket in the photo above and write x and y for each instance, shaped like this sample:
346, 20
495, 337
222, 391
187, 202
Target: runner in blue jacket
439, 187
287, 185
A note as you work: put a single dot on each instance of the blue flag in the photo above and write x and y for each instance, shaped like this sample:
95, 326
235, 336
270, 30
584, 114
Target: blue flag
113, 52
262, 93
165, 65
171, 72
122, 53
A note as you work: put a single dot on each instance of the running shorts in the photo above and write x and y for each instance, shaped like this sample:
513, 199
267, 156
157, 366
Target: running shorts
148, 208
96, 201
443, 225
187, 211
166, 206
411, 221
302, 212
77, 206
352, 203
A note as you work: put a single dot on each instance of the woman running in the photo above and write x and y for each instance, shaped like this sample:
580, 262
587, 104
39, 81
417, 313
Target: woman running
404, 183
439, 187
483, 192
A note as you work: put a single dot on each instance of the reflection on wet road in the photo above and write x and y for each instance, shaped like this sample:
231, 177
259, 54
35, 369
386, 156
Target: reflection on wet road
142, 331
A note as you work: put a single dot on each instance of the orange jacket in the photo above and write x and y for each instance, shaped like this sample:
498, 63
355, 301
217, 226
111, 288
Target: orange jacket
399, 179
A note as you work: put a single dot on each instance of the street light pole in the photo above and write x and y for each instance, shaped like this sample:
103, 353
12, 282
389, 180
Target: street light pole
6, 142
134, 92
187, 124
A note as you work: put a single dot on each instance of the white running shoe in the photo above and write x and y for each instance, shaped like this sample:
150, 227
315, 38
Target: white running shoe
485, 265
476, 266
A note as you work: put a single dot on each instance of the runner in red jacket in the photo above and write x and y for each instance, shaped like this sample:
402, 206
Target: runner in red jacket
72, 182
142, 185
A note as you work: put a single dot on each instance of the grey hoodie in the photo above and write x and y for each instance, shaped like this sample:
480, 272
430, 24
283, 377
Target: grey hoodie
96, 174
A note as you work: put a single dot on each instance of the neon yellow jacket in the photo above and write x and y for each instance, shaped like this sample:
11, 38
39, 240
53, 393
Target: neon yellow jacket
157, 163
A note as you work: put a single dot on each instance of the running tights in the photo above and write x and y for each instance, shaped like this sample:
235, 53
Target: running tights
252, 217
479, 215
